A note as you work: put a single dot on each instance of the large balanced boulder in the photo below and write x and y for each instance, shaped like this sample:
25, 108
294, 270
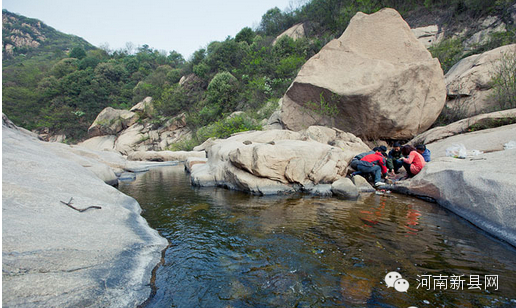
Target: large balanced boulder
55, 256
273, 161
376, 81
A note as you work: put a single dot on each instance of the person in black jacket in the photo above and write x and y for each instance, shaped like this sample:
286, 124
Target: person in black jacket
393, 159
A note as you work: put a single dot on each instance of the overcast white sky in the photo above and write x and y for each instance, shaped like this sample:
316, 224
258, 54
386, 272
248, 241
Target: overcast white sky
181, 25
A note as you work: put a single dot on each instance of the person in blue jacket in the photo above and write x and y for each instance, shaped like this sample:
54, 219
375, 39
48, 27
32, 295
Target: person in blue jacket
421, 148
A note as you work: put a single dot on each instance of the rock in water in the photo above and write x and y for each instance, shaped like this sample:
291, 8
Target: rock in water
376, 81
345, 188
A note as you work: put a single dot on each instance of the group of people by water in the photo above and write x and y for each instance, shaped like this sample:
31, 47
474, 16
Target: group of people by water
379, 164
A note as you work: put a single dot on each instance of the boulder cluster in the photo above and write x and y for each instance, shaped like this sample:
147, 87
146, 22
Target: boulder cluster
278, 161
128, 131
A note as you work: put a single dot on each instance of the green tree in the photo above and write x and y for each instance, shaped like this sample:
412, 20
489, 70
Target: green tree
245, 35
173, 101
272, 22
78, 53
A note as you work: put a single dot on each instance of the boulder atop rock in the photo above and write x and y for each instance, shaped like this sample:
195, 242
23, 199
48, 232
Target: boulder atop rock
295, 32
111, 121
376, 81
145, 107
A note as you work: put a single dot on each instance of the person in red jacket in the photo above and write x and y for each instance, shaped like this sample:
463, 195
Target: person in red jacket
414, 161
374, 164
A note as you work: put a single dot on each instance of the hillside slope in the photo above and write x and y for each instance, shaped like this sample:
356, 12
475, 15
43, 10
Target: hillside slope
58, 83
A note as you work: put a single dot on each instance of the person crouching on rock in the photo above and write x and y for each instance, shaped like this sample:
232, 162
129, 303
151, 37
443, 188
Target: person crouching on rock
393, 160
374, 164
421, 149
357, 158
413, 162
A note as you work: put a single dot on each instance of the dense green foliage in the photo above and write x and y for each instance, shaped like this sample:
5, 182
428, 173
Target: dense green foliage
64, 82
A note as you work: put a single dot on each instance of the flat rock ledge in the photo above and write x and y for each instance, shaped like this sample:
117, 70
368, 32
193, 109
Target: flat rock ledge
55, 256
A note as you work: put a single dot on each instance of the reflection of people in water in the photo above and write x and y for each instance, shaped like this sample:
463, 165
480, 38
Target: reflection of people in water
412, 220
372, 218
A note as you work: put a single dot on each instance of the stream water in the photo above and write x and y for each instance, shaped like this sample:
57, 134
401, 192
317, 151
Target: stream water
231, 249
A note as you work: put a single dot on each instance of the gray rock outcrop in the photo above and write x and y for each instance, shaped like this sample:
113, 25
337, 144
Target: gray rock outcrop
295, 32
355, 81
462, 126
145, 107
54, 256
118, 130
469, 83
111, 121
429, 35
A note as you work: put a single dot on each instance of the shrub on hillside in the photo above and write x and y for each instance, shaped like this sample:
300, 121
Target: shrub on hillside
504, 82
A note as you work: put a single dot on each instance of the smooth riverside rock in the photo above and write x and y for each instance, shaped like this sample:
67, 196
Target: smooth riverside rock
345, 188
482, 191
462, 126
54, 256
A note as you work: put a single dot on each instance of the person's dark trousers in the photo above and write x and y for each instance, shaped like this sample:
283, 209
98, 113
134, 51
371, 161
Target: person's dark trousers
354, 163
397, 165
375, 170
407, 168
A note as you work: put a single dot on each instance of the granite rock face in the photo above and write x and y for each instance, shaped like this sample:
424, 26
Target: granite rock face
111, 121
462, 126
54, 256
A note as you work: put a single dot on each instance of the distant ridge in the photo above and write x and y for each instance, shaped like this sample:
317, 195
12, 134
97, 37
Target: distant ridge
26, 37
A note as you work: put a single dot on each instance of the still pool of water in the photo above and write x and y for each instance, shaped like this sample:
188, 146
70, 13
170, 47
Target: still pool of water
230, 249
